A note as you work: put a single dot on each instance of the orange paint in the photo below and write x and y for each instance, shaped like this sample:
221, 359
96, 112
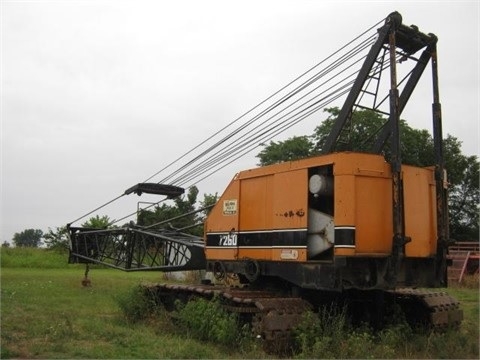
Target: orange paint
276, 198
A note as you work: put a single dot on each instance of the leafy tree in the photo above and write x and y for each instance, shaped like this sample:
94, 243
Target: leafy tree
57, 239
417, 149
170, 215
356, 136
208, 200
97, 222
158, 214
295, 148
416, 146
187, 205
464, 193
179, 215
28, 238
5, 244
359, 135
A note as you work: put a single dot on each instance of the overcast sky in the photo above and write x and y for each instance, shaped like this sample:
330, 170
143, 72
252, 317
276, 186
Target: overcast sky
96, 96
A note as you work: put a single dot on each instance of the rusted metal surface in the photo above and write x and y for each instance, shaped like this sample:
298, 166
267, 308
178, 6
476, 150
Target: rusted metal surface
408, 40
436, 308
277, 319
464, 258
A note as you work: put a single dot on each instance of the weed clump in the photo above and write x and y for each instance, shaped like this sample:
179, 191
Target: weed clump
208, 320
329, 334
137, 304
198, 318
318, 334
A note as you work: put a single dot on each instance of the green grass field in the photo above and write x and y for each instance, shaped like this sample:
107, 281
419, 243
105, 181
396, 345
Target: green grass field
46, 313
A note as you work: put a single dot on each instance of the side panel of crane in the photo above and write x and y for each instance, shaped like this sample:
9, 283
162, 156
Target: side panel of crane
363, 203
420, 211
221, 243
290, 200
256, 200
373, 197
272, 219
255, 217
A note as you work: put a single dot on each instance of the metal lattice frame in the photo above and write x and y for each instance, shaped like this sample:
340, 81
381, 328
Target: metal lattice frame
133, 249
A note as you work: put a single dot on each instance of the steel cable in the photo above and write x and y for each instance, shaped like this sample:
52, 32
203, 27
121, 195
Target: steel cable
195, 168
232, 136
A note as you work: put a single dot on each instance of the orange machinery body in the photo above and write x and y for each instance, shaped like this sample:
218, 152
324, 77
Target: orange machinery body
322, 212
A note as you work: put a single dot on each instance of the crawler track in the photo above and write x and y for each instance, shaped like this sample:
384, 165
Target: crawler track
436, 309
273, 317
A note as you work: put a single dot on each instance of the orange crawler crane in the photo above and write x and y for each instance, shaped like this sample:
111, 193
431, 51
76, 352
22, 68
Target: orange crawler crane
343, 227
